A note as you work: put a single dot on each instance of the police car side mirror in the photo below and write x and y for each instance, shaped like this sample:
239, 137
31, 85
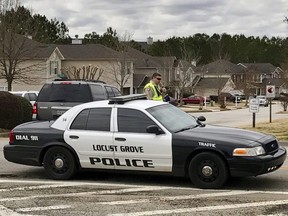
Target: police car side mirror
154, 129
201, 118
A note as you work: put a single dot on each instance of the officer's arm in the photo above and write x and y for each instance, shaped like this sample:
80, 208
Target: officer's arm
149, 92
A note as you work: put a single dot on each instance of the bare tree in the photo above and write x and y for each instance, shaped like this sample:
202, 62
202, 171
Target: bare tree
89, 72
184, 71
121, 67
16, 50
183, 79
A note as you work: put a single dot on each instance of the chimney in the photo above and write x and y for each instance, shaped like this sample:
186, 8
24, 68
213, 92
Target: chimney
149, 40
76, 40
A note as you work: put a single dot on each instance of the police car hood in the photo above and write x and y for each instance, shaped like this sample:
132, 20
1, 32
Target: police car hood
225, 135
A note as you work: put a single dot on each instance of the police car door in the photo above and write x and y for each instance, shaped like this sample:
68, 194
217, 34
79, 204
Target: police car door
137, 149
90, 136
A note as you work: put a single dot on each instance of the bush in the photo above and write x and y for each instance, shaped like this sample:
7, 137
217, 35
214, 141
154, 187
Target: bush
26, 109
10, 110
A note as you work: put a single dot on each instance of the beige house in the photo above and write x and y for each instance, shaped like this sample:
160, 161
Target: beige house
96, 62
90, 61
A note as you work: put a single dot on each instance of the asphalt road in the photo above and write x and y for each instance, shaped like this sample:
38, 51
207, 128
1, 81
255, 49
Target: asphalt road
26, 190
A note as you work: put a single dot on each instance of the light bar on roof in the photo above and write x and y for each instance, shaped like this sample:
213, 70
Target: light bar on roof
126, 98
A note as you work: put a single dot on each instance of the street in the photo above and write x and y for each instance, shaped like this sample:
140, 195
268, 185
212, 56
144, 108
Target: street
27, 190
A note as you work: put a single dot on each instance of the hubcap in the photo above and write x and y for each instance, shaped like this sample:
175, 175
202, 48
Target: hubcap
59, 163
207, 171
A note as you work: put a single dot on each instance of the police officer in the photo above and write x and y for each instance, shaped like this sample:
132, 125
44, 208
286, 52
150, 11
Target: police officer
153, 89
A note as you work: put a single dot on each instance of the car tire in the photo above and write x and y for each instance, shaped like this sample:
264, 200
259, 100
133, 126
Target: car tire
59, 163
208, 170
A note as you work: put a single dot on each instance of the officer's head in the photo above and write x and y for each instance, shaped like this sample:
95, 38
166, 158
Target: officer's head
156, 77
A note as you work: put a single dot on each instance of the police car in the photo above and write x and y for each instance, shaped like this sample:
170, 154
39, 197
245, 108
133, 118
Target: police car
135, 134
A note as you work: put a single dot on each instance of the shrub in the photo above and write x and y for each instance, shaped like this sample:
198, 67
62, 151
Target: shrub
10, 110
26, 109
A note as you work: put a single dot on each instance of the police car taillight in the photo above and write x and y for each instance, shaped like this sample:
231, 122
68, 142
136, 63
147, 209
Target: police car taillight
11, 136
34, 110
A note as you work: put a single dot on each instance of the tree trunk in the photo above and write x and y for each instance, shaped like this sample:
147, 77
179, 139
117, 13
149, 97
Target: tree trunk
9, 84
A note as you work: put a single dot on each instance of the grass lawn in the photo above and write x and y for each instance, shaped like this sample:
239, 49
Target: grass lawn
278, 128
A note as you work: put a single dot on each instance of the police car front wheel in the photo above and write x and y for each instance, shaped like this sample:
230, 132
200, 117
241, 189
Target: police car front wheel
59, 163
208, 170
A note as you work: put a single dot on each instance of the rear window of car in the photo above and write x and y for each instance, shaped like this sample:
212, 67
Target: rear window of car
65, 93
97, 119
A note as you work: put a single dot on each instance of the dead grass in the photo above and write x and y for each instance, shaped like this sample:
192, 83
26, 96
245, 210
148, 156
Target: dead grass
278, 128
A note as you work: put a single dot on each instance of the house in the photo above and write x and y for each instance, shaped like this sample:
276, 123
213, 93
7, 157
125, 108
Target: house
215, 77
249, 78
145, 65
255, 76
139, 82
219, 68
95, 61
213, 86
81, 61
30, 60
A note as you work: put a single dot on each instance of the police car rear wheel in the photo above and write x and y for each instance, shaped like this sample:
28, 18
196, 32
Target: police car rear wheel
208, 170
59, 163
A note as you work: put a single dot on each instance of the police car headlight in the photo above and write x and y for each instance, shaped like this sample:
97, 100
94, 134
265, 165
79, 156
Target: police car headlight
256, 151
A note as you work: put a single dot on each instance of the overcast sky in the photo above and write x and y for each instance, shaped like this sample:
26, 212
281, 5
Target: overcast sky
162, 19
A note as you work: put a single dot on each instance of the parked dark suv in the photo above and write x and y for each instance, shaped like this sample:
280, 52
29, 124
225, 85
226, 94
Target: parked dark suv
230, 97
56, 97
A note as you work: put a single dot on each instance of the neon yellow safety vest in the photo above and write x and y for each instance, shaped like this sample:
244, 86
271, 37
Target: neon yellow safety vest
156, 94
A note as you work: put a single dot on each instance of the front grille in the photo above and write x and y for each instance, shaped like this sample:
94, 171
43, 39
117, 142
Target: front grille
271, 147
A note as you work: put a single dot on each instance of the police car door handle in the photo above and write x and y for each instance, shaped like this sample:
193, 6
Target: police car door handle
120, 139
74, 137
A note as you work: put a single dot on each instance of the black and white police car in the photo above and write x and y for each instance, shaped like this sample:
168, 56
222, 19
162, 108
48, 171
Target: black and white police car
135, 134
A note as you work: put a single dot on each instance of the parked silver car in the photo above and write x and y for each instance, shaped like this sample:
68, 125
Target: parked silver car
31, 96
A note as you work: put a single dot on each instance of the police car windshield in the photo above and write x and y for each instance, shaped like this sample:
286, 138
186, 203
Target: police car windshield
173, 118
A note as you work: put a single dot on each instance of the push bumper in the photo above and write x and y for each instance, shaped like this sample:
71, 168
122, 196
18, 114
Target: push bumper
253, 166
26, 155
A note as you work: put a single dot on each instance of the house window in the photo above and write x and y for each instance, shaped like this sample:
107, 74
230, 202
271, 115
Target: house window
53, 67
3, 88
257, 78
241, 78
